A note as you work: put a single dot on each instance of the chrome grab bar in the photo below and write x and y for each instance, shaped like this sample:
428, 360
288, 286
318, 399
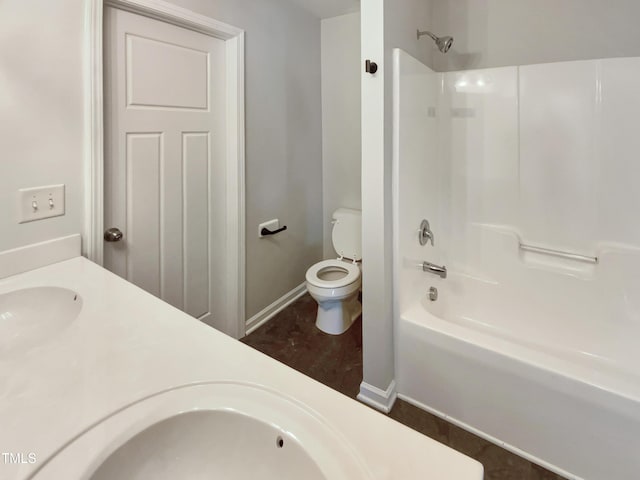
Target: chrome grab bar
558, 253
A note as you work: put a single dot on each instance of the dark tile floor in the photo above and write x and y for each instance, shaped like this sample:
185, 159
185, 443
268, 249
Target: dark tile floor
292, 338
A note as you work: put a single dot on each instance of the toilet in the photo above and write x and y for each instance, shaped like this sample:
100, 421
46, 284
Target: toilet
335, 284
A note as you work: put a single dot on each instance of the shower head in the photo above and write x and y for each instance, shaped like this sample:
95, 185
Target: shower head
443, 43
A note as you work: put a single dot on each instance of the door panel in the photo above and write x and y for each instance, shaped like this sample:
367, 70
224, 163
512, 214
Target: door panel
196, 232
165, 161
160, 74
143, 162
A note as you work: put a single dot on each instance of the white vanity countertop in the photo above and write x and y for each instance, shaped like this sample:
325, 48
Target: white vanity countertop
126, 345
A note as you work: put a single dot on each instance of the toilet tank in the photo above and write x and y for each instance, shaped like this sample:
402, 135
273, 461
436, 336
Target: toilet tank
347, 233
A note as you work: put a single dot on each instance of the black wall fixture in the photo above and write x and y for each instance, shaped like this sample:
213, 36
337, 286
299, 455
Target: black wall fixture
370, 67
265, 231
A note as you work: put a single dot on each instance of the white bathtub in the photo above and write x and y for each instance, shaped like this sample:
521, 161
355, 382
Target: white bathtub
522, 373
539, 353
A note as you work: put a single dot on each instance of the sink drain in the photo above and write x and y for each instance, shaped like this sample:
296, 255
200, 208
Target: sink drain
279, 442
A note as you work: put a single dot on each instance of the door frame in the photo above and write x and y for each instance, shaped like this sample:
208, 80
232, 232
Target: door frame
233, 37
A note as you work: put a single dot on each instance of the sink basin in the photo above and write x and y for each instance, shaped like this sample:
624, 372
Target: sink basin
32, 316
220, 430
210, 444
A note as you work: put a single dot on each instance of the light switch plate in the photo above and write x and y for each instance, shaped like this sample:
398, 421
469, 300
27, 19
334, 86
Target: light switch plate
40, 202
270, 225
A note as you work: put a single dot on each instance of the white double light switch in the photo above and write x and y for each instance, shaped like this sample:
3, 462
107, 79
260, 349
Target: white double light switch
40, 202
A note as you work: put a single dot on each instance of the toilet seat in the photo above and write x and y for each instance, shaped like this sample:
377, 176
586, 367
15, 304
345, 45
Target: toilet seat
351, 269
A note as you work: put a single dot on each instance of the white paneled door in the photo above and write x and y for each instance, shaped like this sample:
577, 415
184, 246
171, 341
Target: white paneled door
165, 161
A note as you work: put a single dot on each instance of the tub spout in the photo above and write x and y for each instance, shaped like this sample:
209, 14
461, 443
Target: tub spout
441, 271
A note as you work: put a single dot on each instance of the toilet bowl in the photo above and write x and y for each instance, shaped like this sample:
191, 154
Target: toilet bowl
335, 284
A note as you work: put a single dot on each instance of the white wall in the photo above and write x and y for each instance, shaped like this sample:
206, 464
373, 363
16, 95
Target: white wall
341, 134
402, 19
490, 33
385, 26
329, 8
41, 112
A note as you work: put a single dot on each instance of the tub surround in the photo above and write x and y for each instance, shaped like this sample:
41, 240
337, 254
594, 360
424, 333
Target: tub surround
126, 345
498, 160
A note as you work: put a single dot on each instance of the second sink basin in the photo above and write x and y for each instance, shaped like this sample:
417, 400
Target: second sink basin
32, 316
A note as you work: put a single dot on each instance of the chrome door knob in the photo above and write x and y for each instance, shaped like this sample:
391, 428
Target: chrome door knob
113, 235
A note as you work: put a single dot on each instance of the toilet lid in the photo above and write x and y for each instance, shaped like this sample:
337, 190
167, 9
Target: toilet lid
346, 235
320, 273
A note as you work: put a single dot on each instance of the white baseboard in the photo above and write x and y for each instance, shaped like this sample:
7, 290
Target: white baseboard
267, 313
382, 400
38, 255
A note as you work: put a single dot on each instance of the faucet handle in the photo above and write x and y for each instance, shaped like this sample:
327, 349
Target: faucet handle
424, 233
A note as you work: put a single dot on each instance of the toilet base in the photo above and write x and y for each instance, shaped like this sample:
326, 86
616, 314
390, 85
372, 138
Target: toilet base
335, 317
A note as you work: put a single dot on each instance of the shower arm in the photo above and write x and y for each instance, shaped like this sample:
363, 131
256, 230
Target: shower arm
426, 32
